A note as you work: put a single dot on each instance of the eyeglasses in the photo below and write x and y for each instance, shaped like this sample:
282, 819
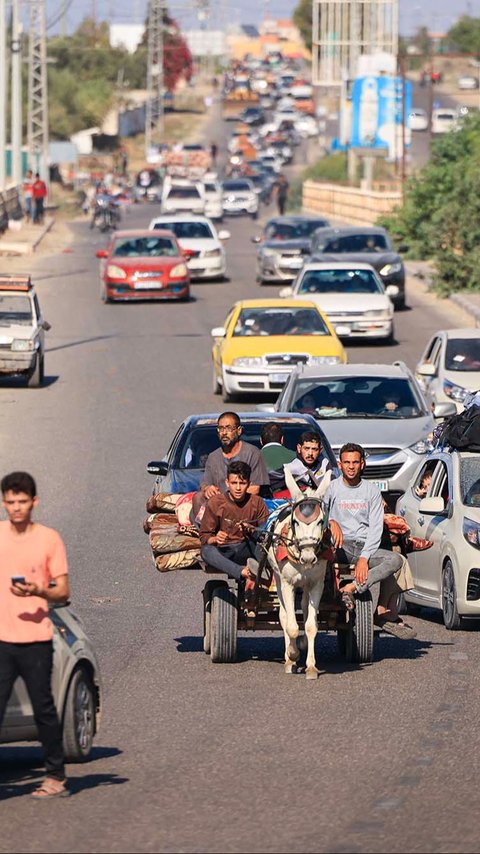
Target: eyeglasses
226, 429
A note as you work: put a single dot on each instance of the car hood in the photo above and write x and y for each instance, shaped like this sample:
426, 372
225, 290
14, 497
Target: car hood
131, 265
373, 432
282, 245
8, 333
376, 259
349, 302
259, 345
465, 379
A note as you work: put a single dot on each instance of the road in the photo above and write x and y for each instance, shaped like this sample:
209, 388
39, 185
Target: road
193, 756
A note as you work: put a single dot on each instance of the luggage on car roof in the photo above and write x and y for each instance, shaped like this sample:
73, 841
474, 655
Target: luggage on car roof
462, 431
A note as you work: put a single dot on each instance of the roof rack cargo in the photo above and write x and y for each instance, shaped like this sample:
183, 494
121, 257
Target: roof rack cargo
15, 282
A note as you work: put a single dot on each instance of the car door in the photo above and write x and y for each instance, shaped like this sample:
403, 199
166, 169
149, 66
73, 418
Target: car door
220, 343
428, 563
431, 356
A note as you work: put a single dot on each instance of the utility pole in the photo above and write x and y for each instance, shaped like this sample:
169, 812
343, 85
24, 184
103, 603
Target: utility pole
37, 91
154, 119
3, 93
16, 137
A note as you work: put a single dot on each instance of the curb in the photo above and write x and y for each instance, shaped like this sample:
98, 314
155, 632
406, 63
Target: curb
10, 247
467, 305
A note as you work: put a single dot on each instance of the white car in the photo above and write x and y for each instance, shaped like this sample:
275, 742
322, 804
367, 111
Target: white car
180, 195
239, 197
444, 119
418, 119
352, 296
213, 198
443, 505
306, 126
22, 330
467, 81
200, 241
450, 366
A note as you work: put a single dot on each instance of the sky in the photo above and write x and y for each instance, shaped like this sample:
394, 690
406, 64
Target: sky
437, 15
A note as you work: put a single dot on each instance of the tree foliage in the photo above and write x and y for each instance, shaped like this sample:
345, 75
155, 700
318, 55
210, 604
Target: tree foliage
464, 36
441, 215
302, 18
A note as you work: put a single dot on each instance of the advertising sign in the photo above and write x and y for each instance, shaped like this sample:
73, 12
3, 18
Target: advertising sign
377, 113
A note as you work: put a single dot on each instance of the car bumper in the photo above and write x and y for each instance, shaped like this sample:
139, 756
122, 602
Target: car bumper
17, 362
239, 208
240, 381
393, 473
207, 268
362, 328
126, 292
279, 272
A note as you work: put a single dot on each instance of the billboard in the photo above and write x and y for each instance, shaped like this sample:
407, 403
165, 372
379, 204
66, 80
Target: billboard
377, 113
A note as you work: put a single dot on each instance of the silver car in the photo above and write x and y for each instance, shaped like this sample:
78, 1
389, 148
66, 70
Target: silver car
76, 686
450, 366
379, 406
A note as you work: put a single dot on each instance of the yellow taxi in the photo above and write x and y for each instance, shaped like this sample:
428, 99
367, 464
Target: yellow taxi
263, 340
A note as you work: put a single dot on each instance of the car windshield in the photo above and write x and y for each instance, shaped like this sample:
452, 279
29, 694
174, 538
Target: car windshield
187, 229
356, 397
15, 308
236, 186
191, 146
279, 321
292, 230
354, 243
470, 480
183, 193
193, 451
339, 282
150, 247
463, 354
212, 188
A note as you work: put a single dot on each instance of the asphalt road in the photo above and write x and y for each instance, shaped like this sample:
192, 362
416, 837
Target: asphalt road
193, 756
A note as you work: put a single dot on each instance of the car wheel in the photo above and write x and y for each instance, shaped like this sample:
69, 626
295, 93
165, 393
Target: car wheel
227, 397
35, 376
390, 339
79, 717
451, 617
216, 386
400, 305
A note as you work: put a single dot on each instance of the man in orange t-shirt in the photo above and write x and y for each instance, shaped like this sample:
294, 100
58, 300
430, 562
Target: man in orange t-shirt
33, 572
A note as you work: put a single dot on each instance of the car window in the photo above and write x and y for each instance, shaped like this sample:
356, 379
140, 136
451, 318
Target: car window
357, 397
354, 243
37, 307
441, 483
183, 193
291, 231
462, 354
15, 308
423, 481
280, 321
150, 247
339, 282
470, 481
211, 188
427, 356
236, 186
187, 229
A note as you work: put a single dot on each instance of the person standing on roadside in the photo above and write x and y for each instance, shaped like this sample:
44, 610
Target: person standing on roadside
28, 194
39, 190
281, 188
33, 573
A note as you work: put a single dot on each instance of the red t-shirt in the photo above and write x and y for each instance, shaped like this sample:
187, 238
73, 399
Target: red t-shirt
39, 189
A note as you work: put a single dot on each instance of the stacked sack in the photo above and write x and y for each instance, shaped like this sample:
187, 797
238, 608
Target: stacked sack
174, 541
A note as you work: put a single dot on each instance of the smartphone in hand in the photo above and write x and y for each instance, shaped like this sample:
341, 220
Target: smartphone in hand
18, 579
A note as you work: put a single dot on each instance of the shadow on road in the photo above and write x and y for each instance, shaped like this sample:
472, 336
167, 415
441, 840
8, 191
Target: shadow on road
80, 342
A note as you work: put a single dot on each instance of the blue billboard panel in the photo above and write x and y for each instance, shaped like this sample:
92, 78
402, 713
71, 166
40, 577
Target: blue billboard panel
377, 113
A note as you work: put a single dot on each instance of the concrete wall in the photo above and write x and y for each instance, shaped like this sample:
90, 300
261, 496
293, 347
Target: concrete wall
348, 204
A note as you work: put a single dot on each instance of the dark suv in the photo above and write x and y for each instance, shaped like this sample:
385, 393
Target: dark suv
368, 244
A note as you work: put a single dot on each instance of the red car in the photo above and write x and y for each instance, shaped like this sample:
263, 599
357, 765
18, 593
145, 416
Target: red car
143, 265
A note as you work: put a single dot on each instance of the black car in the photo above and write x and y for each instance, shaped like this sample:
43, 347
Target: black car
182, 467
368, 244
252, 116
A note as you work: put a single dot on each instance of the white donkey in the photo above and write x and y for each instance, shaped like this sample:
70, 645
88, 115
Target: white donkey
298, 562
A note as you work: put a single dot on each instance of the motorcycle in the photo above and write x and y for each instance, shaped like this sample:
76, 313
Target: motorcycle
105, 213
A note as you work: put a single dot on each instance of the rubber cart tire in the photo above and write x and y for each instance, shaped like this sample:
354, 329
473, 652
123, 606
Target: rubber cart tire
207, 609
359, 640
223, 626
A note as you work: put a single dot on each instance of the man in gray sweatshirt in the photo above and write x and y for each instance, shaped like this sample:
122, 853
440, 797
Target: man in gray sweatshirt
357, 506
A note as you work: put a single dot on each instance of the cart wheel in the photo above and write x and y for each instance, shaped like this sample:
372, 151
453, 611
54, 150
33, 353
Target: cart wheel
207, 609
359, 639
223, 626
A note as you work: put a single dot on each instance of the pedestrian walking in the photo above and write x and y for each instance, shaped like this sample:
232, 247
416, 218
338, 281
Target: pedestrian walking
33, 573
28, 194
281, 188
213, 153
39, 190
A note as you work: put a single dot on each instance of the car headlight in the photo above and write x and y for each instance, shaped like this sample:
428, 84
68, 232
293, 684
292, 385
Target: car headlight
248, 362
422, 446
379, 314
388, 269
212, 253
455, 392
471, 532
178, 271
22, 344
114, 272
324, 360
269, 253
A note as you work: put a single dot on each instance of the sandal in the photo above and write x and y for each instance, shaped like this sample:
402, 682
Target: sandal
51, 788
397, 628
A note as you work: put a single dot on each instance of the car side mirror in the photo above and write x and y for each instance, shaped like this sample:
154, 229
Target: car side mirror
256, 239
432, 506
224, 234
427, 370
158, 468
46, 325
403, 248
101, 253
218, 332
392, 290
285, 293
444, 410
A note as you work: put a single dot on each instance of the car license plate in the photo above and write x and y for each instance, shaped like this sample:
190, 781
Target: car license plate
148, 285
382, 485
278, 378
292, 262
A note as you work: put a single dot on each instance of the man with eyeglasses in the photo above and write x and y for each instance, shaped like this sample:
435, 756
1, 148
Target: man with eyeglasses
232, 449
